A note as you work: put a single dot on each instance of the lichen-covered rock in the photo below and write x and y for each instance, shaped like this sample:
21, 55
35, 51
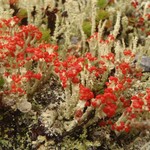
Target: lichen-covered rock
48, 117
24, 106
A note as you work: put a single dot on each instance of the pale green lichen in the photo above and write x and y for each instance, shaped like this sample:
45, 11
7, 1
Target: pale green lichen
82, 143
84, 18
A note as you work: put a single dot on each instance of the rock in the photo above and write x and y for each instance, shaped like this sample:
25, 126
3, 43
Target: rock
145, 63
74, 40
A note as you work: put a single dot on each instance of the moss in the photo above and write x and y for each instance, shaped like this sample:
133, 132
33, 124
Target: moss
101, 15
87, 27
102, 3
22, 13
45, 34
1, 82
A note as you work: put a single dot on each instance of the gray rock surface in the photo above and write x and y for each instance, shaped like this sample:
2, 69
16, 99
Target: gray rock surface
145, 63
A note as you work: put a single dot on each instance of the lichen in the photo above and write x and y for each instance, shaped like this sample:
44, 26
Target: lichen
92, 37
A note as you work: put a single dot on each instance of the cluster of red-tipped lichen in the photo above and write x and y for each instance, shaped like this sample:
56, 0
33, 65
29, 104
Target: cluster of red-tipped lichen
26, 60
23, 57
